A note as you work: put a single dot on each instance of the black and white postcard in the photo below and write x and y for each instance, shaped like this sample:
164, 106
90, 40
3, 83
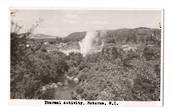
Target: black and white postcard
86, 56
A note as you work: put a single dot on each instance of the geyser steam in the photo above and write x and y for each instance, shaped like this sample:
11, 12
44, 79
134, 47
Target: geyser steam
90, 43
86, 44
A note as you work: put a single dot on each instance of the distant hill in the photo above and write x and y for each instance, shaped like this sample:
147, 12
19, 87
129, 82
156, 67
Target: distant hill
47, 38
42, 36
119, 36
72, 37
135, 35
75, 36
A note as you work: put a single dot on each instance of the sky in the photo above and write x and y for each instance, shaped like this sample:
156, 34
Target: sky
63, 22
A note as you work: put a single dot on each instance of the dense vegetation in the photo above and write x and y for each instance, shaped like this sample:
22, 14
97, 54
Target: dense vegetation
112, 74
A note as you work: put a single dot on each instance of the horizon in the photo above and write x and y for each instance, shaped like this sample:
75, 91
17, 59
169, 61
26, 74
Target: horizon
64, 22
54, 36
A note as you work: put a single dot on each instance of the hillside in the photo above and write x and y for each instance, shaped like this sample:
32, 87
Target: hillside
120, 36
136, 35
75, 36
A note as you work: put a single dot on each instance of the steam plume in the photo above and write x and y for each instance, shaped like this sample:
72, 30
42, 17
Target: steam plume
87, 43
90, 43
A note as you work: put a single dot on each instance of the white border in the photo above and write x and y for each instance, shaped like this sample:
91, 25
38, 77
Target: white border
121, 103
4, 48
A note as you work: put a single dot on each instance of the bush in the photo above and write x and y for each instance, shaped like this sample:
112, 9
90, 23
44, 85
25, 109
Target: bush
31, 68
104, 81
146, 83
151, 53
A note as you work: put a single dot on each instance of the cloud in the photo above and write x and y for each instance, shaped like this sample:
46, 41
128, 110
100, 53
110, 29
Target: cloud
70, 21
70, 16
98, 22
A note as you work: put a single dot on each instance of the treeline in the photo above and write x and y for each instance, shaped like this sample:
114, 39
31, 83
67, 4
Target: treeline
136, 35
120, 36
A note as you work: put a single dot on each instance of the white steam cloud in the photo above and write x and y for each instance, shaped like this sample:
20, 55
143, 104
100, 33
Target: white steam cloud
89, 44
86, 44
